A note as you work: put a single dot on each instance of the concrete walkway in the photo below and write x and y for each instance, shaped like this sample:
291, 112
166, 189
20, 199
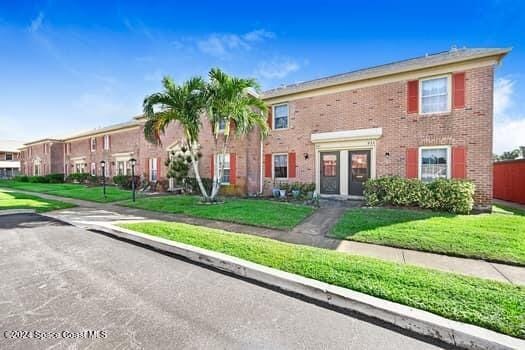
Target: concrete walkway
509, 204
311, 232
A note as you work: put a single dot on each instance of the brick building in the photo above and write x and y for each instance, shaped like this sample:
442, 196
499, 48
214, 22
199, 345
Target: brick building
428, 117
9, 158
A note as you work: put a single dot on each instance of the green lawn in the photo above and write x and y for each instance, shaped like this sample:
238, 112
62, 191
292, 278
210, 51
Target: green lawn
256, 212
499, 236
93, 194
489, 304
15, 200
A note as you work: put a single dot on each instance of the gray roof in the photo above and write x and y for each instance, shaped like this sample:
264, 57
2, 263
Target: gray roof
427, 61
10, 145
90, 132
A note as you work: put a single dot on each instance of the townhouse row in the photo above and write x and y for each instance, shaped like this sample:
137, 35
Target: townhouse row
428, 117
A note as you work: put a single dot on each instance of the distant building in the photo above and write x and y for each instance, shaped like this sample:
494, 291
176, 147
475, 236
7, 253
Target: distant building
9, 158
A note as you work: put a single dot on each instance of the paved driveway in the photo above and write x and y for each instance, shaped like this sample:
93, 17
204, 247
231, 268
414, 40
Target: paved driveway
64, 281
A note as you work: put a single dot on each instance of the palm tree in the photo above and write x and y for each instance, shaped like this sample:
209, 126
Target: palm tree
234, 103
184, 104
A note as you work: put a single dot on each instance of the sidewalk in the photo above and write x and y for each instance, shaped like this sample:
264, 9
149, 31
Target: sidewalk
311, 232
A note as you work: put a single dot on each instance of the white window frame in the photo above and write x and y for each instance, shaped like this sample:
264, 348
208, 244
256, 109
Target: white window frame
449, 158
218, 166
449, 94
274, 115
153, 164
106, 143
93, 169
11, 154
124, 172
93, 144
287, 166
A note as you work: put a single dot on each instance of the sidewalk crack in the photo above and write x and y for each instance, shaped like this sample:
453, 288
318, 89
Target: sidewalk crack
501, 273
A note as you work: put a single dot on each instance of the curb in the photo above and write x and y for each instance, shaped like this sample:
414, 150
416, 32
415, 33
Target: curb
17, 211
420, 322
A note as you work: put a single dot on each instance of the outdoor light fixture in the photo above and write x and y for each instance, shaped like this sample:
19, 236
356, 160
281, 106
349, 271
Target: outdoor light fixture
133, 161
103, 167
387, 155
306, 156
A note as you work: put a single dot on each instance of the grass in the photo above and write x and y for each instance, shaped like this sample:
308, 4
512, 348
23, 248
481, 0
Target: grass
499, 236
93, 194
15, 200
494, 305
254, 212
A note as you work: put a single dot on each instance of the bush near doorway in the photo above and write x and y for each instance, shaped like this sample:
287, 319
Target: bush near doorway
454, 196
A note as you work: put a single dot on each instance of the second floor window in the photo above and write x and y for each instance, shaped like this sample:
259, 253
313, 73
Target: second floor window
280, 116
106, 142
9, 156
93, 143
435, 95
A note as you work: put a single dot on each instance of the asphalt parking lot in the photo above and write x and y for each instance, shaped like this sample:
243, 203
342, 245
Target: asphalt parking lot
65, 287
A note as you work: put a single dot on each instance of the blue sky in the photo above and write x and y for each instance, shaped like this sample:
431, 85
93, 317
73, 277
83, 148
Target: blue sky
69, 66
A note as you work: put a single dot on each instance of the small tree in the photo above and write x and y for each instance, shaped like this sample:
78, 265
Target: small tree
184, 104
180, 160
510, 155
235, 104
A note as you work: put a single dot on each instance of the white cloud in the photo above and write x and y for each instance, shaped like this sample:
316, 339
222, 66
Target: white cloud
36, 23
222, 44
258, 35
509, 129
277, 68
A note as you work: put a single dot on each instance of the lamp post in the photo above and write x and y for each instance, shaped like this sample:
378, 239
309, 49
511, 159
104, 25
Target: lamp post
103, 166
133, 161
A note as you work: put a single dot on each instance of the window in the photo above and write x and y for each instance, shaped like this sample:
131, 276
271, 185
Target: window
329, 165
153, 169
121, 168
222, 125
106, 142
434, 163
226, 162
93, 169
93, 143
9, 156
36, 170
79, 167
280, 166
280, 113
435, 95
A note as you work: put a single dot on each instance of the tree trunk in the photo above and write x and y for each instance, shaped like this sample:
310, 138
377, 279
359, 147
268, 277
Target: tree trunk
195, 164
218, 176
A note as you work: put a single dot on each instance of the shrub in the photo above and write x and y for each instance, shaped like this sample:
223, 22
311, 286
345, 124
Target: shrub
455, 196
38, 179
78, 177
192, 185
21, 178
55, 178
124, 181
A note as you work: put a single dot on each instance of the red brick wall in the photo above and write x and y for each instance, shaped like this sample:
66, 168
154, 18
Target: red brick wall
385, 106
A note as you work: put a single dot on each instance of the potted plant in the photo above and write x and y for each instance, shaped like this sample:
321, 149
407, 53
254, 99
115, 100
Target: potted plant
309, 189
283, 190
296, 190
276, 193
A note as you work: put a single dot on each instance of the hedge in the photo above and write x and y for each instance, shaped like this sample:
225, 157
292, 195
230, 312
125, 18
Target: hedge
455, 196
47, 179
124, 181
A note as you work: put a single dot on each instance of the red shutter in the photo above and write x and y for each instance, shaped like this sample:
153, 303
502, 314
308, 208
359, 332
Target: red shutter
267, 165
458, 88
212, 166
459, 162
233, 168
412, 163
270, 117
158, 168
412, 96
291, 164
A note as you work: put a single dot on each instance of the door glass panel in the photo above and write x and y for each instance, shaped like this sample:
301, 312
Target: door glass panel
329, 165
359, 167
